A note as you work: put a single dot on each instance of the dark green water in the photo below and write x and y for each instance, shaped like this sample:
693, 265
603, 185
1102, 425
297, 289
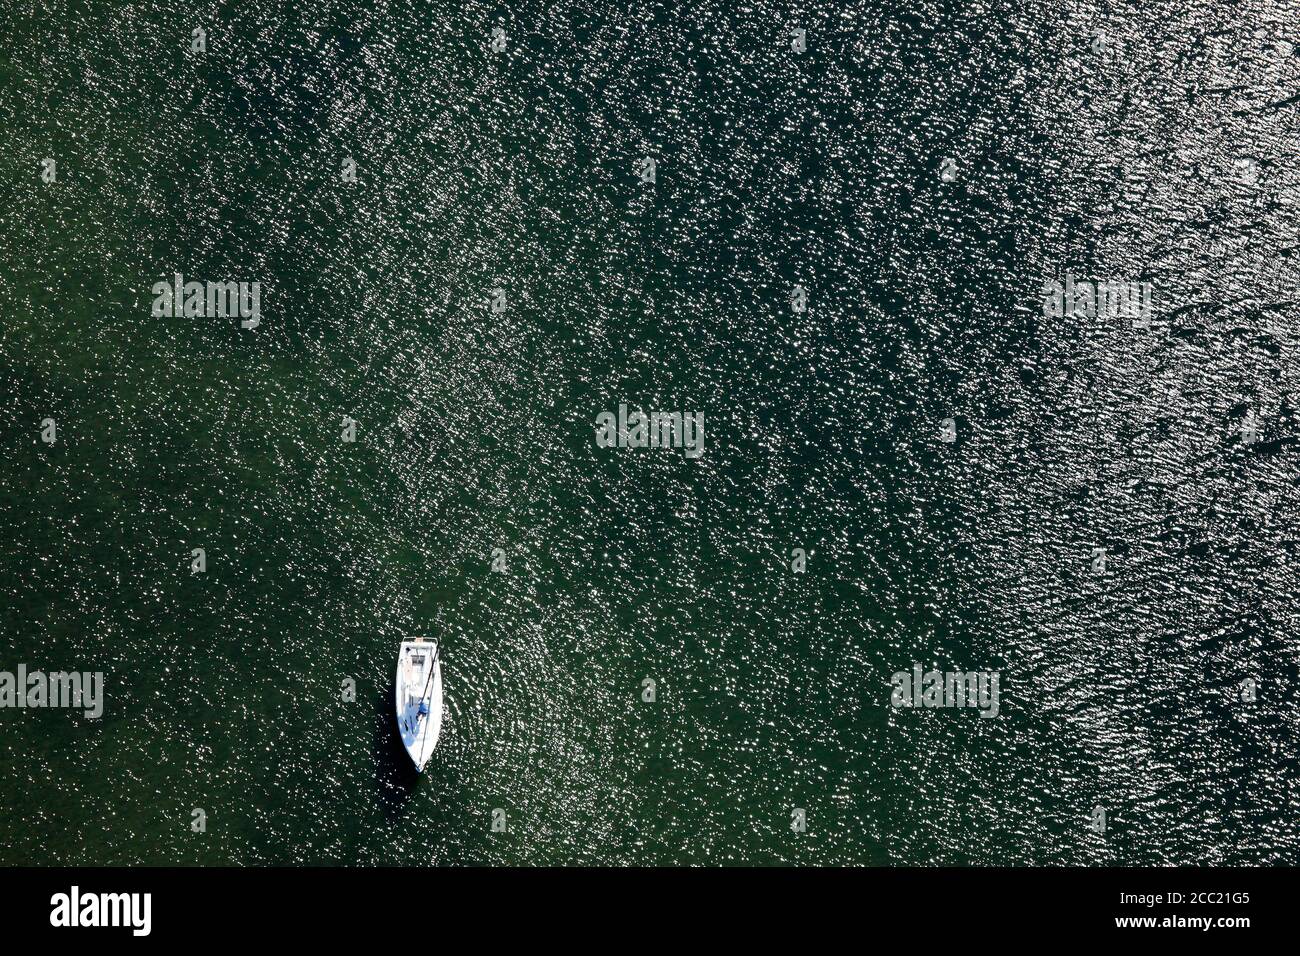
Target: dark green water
479, 170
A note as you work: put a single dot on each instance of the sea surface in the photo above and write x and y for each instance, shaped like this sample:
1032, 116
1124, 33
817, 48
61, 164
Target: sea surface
920, 170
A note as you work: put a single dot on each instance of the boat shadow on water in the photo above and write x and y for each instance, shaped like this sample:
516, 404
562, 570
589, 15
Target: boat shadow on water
395, 776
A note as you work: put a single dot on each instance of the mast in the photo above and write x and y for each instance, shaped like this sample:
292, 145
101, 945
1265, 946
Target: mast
433, 664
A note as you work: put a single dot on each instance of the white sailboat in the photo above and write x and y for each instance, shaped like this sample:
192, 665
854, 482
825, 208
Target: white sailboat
419, 698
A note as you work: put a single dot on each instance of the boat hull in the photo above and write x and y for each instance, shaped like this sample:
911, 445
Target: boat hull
418, 699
